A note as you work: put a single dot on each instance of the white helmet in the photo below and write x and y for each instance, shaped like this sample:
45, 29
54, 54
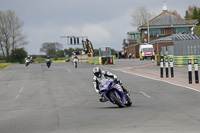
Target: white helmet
97, 71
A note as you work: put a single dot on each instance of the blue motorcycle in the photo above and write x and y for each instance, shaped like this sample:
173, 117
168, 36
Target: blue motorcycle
114, 93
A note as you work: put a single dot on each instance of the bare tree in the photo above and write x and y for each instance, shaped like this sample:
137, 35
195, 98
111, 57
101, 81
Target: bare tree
189, 12
11, 35
51, 48
140, 16
175, 13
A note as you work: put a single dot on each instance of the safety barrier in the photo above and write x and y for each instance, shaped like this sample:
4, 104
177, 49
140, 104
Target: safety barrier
180, 60
101, 60
82, 58
183, 60
94, 60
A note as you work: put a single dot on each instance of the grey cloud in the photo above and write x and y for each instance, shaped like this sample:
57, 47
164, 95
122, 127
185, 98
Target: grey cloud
106, 22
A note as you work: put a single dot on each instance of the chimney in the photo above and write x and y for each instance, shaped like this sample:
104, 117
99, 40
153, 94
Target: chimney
164, 7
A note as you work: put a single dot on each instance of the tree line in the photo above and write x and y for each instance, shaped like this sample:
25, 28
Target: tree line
55, 49
193, 12
12, 38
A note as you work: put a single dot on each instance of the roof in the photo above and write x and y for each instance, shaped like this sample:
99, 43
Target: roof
167, 18
176, 37
131, 32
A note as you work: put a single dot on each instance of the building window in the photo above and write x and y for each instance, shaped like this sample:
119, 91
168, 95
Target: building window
174, 31
155, 32
132, 36
137, 36
180, 30
162, 31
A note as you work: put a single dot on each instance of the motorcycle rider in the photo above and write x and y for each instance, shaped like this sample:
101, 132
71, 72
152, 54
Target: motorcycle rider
27, 59
31, 59
75, 58
48, 59
99, 76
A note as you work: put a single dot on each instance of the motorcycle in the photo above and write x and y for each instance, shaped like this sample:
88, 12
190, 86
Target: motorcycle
75, 62
27, 62
48, 62
114, 93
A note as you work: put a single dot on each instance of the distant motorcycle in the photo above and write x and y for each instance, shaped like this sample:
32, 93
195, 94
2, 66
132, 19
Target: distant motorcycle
48, 62
31, 61
114, 93
27, 62
67, 60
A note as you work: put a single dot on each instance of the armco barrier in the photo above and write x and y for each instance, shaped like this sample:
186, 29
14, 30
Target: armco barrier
183, 60
101, 60
94, 60
82, 58
57, 61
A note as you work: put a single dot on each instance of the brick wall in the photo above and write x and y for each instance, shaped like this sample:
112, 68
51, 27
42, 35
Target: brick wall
158, 46
134, 50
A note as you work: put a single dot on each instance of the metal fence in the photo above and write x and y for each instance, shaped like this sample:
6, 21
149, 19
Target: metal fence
186, 47
170, 50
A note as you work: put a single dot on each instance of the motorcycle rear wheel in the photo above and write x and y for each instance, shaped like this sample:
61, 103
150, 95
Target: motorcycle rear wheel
129, 101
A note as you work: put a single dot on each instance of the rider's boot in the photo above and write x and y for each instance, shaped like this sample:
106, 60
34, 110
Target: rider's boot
102, 98
125, 91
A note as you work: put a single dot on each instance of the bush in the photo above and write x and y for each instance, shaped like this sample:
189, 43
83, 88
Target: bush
56, 58
18, 55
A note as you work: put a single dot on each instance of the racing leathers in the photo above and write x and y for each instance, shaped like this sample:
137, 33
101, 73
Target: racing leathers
97, 81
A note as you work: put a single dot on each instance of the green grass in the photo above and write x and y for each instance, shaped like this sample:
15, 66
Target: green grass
3, 65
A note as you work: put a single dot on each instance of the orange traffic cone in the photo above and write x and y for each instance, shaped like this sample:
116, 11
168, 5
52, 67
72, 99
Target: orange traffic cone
111, 61
152, 60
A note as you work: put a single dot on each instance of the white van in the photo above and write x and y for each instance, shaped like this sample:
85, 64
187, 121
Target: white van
146, 50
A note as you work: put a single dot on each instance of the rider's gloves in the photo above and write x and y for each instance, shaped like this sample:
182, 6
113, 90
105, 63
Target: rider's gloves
115, 80
120, 82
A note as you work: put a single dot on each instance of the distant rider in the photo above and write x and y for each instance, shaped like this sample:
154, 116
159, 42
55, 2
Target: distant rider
31, 60
99, 76
75, 59
27, 59
48, 59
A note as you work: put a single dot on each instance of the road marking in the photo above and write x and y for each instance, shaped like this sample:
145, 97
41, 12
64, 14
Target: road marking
68, 70
21, 90
160, 80
144, 94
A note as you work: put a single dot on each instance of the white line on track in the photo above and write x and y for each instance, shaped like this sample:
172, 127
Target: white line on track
159, 80
21, 90
144, 94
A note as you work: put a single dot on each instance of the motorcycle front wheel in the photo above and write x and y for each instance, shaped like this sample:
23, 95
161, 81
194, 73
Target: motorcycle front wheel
116, 100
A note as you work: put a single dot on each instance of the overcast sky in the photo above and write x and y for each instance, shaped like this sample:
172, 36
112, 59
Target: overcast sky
105, 22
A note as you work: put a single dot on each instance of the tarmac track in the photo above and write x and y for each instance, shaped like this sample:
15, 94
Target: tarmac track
62, 99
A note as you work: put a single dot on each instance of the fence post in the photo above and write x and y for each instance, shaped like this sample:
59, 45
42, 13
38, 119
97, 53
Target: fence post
190, 71
196, 70
161, 67
171, 67
166, 68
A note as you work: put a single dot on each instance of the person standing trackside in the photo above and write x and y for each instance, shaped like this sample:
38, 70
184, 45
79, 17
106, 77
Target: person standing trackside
125, 54
91, 54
